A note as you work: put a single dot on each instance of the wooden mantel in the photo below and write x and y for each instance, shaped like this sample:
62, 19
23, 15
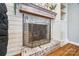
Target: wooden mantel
36, 10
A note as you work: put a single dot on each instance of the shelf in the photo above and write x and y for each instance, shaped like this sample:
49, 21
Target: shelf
62, 13
62, 6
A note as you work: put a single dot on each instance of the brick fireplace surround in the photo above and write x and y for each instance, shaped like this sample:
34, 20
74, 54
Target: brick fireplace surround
33, 14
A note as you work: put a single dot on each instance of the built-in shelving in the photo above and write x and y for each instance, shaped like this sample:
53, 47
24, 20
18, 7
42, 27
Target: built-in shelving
63, 12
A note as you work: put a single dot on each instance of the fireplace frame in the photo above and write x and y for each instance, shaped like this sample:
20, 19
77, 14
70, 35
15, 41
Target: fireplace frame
32, 45
30, 9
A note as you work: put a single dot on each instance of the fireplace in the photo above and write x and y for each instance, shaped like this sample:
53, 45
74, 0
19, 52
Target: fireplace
36, 25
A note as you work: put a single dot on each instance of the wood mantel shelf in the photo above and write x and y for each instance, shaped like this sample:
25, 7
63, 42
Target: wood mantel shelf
38, 11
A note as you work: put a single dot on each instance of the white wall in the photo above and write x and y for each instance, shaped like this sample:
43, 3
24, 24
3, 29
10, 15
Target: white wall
60, 26
73, 22
14, 31
56, 25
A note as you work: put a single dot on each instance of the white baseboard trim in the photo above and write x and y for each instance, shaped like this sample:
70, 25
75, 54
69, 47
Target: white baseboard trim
74, 43
63, 43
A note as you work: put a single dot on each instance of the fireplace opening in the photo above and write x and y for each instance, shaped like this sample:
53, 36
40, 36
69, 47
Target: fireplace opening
37, 32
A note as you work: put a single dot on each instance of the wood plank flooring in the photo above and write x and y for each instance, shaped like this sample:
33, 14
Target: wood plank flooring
67, 50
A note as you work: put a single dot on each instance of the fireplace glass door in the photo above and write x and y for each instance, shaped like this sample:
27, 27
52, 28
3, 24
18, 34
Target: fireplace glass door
36, 34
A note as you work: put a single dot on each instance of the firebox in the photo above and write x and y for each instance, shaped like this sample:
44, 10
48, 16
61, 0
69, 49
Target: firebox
37, 32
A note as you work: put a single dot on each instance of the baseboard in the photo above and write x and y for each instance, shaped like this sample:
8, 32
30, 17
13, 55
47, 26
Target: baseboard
74, 43
63, 43
66, 42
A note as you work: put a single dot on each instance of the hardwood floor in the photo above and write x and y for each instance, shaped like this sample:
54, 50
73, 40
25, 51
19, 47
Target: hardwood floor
67, 50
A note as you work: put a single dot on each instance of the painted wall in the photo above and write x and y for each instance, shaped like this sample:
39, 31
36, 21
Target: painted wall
73, 22
60, 26
14, 31
56, 25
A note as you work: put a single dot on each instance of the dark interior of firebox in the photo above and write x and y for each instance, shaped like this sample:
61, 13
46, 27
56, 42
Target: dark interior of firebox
37, 32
